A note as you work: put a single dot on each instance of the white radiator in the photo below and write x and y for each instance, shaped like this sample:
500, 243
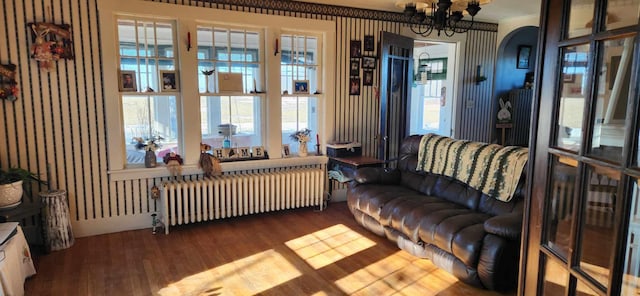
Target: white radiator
241, 194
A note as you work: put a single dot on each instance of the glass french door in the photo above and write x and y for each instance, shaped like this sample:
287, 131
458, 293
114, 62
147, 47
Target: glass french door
581, 236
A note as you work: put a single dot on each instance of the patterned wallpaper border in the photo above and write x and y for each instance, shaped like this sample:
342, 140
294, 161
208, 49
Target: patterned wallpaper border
322, 9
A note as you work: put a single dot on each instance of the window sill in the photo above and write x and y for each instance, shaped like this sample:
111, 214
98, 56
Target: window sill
160, 171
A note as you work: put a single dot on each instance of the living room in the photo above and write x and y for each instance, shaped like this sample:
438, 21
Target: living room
68, 122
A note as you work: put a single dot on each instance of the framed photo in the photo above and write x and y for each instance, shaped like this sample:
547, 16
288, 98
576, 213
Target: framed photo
356, 48
368, 62
301, 86
354, 86
355, 68
286, 152
367, 77
127, 80
369, 43
168, 80
524, 53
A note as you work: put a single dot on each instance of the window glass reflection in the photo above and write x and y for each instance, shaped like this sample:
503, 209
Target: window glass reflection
622, 14
556, 278
572, 97
580, 18
561, 199
631, 277
597, 224
612, 96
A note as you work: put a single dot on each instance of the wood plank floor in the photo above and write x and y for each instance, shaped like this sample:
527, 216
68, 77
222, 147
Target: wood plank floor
296, 252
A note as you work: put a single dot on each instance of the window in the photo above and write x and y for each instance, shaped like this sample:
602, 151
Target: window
299, 62
145, 48
194, 47
225, 108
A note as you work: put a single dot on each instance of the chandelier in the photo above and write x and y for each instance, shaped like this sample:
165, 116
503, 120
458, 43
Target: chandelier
440, 15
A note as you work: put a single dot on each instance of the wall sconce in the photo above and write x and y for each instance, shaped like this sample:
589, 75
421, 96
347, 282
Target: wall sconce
479, 76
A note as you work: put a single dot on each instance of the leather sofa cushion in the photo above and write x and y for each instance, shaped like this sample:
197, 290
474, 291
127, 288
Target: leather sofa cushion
371, 198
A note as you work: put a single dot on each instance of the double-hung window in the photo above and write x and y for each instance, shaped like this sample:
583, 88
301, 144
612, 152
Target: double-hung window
300, 62
147, 48
230, 76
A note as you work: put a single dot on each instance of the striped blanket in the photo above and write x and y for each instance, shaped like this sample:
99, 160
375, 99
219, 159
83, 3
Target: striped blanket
493, 169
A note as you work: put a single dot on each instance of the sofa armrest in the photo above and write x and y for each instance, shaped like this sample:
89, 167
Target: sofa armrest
377, 176
508, 226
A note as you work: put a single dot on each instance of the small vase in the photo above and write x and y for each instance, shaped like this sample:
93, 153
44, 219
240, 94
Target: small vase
150, 159
303, 150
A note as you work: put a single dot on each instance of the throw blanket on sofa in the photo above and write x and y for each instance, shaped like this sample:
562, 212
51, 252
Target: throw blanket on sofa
495, 170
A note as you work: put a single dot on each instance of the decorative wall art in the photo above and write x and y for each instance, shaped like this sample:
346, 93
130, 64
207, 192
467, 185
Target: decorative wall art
367, 77
524, 52
354, 70
8, 84
354, 86
368, 62
356, 48
50, 42
369, 44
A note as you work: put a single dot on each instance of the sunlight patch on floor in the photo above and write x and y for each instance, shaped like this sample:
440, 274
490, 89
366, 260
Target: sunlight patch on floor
248, 276
398, 274
329, 245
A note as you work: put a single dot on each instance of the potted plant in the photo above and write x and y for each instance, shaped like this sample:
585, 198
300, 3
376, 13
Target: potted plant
13, 182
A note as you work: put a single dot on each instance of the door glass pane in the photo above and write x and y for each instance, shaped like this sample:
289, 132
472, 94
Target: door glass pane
597, 225
556, 278
631, 278
572, 97
622, 14
560, 207
584, 290
612, 94
580, 18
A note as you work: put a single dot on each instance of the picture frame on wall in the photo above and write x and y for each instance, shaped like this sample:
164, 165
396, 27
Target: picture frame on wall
368, 62
354, 86
367, 77
524, 53
301, 86
168, 80
356, 48
369, 43
354, 69
127, 80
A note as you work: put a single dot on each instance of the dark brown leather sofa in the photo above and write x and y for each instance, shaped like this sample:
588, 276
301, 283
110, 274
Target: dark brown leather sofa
473, 236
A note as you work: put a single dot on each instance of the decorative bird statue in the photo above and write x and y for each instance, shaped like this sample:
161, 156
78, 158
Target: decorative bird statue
208, 72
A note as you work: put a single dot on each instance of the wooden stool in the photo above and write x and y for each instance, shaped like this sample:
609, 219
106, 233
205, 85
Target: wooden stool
57, 227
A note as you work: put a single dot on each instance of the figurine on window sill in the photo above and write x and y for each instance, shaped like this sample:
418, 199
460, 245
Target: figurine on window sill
173, 163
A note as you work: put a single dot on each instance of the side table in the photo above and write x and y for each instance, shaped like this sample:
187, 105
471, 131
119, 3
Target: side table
347, 166
30, 219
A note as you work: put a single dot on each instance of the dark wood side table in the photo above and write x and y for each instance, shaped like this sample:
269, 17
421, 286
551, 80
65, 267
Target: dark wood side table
347, 166
29, 215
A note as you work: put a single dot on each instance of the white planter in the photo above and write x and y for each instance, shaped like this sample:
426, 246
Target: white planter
10, 194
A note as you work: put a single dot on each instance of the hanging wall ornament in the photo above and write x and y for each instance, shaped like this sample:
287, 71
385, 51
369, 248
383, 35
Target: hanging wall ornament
8, 84
51, 42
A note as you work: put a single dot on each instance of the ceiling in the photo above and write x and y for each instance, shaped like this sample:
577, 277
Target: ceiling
493, 12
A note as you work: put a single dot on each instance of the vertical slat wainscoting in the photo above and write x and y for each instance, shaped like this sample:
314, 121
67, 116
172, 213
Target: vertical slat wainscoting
476, 109
57, 123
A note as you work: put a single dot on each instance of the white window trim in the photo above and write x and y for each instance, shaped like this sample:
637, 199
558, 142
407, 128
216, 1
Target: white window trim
187, 18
